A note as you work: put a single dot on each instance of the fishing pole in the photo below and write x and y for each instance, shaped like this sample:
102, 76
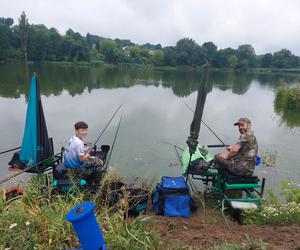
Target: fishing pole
9, 150
113, 144
223, 144
175, 148
27, 169
93, 145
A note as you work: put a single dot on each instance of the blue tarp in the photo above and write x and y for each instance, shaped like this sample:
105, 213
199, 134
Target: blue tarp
35, 144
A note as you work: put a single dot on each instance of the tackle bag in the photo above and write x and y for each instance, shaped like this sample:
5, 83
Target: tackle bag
172, 197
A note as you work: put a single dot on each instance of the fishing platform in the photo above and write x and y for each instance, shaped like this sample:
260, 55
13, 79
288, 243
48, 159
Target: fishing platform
231, 191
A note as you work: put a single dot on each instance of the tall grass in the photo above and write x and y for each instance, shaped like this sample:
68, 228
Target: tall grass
37, 221
275, 212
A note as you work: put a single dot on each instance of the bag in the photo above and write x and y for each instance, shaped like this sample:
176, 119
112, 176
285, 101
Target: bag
172, 197
137, 201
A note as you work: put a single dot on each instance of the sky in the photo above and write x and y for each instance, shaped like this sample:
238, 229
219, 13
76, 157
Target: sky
268, 25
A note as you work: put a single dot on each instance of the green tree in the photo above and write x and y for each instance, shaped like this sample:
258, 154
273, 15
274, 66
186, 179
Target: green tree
107, 48
233, 60
284, 59
241, 66
75, 47
6, 37
222, 58
157, 58
247, 52
139, 54
6, 21
23, 33
266, 60
169, 56
188, 52
211, 51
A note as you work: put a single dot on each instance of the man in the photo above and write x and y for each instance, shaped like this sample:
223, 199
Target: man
75, 156
241, 157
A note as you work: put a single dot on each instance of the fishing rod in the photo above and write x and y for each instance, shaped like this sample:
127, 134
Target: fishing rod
223, 144
93, 145
27, 169
113, 144
175, 148
9, 150
35, 165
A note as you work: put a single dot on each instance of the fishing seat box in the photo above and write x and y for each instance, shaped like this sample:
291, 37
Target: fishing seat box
231, 178
171, 197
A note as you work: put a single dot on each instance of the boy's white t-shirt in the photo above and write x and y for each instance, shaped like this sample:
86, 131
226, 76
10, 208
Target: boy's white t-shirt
73, 151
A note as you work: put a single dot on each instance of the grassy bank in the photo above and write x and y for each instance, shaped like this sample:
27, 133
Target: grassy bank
36, 220
287, 104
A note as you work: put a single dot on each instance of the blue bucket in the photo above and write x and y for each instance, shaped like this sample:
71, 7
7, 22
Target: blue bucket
86, 227
257, 160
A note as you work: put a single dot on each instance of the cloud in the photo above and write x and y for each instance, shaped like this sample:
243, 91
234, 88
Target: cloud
268, 25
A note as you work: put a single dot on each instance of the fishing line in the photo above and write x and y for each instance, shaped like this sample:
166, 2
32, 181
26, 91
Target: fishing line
28, 168
113, 144
106, 126
9, 150
205, 124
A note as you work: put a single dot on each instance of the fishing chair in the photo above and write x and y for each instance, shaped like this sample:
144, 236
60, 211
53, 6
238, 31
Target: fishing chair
251, 190
200, 170
66, 179
42, 167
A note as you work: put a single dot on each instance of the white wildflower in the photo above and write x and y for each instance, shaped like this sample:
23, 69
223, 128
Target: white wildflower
13, 225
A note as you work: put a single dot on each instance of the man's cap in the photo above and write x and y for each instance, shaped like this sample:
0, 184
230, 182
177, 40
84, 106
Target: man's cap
242, 120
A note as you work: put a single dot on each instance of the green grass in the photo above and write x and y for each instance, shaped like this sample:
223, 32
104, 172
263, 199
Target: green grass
275, 212
37, 221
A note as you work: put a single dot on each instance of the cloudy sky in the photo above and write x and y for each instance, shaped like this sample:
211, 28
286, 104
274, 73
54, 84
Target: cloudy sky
268, 25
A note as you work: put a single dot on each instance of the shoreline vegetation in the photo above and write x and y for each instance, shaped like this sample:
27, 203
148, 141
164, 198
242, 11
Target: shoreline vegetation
36, 220
27, 42
287, 103
150, 66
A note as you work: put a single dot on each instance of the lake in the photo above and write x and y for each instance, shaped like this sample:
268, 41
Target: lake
154, 113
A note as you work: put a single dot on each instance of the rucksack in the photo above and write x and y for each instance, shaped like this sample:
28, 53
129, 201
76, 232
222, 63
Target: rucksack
172, 197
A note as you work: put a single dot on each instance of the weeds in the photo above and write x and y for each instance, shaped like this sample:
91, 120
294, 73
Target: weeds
37, 221
275, 212
249, 244
269, 158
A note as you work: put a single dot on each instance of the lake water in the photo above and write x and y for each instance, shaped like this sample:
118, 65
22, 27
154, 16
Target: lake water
154, 113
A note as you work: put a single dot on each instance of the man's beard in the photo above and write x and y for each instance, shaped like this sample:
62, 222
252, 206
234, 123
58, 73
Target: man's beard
242, 131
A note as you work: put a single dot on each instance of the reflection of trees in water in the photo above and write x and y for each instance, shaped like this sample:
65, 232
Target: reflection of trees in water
287, 104
55, 78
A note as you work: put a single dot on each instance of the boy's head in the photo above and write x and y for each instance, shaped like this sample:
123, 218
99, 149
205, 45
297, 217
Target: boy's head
81, 129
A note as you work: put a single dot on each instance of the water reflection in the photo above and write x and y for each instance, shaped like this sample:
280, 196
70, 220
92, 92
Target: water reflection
56, 78
153, 111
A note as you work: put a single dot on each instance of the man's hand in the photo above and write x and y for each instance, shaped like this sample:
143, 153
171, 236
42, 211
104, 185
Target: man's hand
221, 157
228, 148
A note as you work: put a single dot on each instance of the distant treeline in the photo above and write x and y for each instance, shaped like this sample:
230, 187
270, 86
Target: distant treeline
31, 42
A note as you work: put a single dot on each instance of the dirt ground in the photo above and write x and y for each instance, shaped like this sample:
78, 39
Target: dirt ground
210, 228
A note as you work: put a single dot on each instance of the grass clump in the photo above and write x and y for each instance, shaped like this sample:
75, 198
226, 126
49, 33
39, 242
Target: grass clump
287, 104
36, 220
275, 212
249, 244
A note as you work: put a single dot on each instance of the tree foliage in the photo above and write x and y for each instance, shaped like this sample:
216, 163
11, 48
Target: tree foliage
39, 43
